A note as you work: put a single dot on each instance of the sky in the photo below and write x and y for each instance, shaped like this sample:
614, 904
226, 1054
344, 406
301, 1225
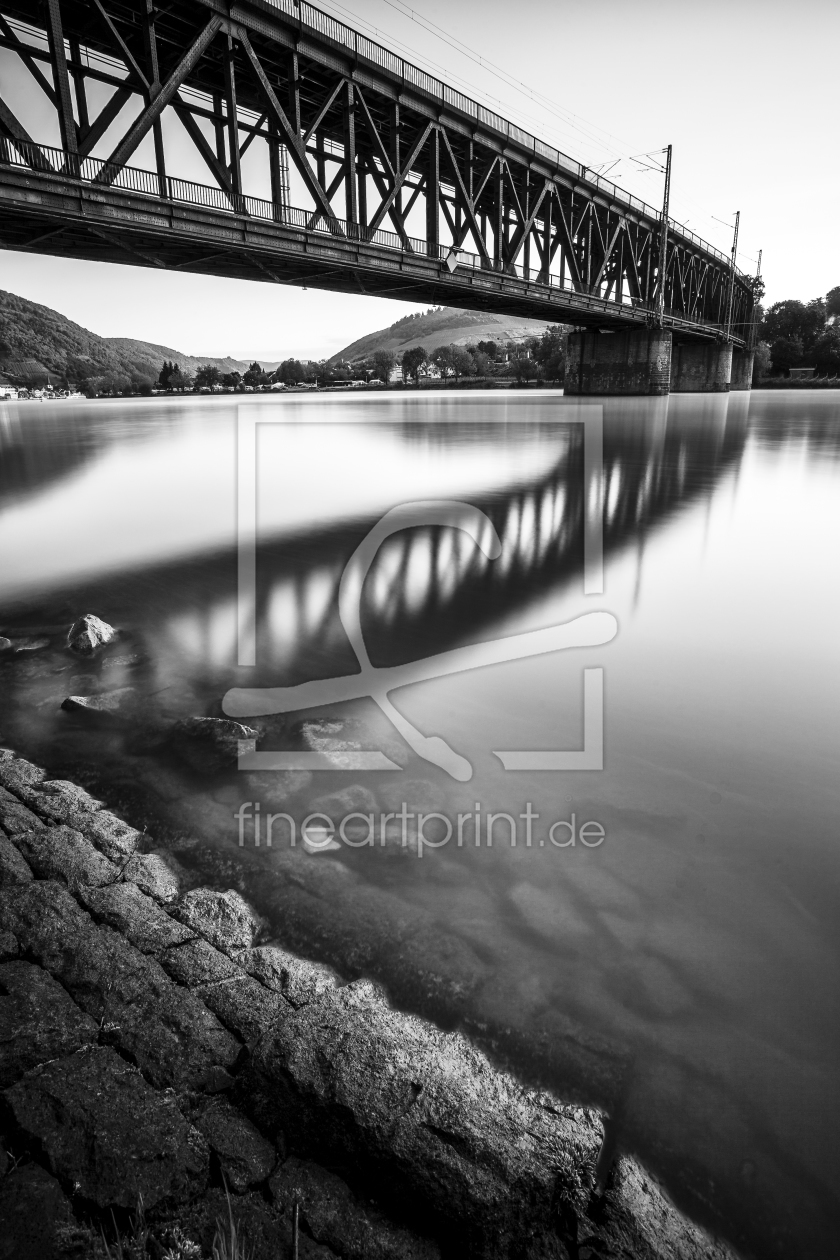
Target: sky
744, 90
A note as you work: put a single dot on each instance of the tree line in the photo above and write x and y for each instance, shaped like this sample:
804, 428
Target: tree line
800, 334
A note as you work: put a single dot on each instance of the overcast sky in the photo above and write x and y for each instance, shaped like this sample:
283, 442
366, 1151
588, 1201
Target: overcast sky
745, 90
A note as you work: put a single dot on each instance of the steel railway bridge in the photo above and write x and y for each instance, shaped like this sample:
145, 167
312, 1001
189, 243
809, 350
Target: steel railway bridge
264, 140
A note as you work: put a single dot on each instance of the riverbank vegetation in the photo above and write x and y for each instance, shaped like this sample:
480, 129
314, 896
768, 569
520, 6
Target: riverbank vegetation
795, 334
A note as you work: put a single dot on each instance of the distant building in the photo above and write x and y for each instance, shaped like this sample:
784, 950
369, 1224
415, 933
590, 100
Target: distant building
802, 374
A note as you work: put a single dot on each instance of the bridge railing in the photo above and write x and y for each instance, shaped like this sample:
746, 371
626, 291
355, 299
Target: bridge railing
95, 172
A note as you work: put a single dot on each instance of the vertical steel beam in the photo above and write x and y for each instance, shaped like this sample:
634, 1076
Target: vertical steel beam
150, 40
293, 70
526, 252
432, 195
499, 215
219, 127
232, 119
61, 80
278, 190
79, 84
351, 189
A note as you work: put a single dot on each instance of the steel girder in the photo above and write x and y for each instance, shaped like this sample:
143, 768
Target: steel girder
379, 165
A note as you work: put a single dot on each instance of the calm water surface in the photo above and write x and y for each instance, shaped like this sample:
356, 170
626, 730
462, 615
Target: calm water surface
684, 974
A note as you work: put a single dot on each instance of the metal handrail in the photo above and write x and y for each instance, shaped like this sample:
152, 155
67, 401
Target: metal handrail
90, 170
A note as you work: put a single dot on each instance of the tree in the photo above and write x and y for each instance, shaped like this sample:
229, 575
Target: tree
207, 376
761, 363
255, 375
231, 379
383, 364
179, 380
489, 348
786, 352
827, 352
412, 361
289, 372
165, 373
550, 353
443, 360
463, 364
794, 321
482, 361
832, 301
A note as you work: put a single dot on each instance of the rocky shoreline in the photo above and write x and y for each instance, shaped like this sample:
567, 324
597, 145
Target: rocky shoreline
154, 1050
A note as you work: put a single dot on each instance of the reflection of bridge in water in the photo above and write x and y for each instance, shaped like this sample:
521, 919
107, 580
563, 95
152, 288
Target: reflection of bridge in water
430, 589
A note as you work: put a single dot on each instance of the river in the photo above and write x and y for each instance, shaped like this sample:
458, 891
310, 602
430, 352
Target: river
681, 968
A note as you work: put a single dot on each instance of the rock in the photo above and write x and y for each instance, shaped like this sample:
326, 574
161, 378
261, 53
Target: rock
89, 633
333, 1215
341, 735
197, 963
166, 1030
153, 875
635, 1218
297, 980
107, 704
245, 1006
245, 1157
18, 775
104, 1129
210, 745
222, 918
38, 1021
13, 867
38, 1222
350, 800
9, 947
62, 801
428, 1119
111, 835
5, 643
15, 818
138, 917
63, 853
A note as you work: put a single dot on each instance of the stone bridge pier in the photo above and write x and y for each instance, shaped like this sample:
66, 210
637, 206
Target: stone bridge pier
649, 361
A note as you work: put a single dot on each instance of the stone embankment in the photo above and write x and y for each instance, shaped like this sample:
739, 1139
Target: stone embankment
153, 1048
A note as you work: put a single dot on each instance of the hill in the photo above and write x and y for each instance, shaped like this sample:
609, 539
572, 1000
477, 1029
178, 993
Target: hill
35, 340
441, 326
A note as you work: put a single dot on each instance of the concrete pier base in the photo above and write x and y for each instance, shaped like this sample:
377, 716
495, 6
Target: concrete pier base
701, 368
742, 369
636, 362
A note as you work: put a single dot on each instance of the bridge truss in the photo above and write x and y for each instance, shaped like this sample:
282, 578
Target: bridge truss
327, 161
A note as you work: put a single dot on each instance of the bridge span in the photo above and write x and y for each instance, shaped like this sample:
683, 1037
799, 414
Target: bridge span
264, 140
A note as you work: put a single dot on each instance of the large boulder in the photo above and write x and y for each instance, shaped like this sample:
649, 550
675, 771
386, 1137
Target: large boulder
296, 979
38, 1021
102, 1128
89, 633
15, 817
424, 1116
105, 705
13, 867
140, 919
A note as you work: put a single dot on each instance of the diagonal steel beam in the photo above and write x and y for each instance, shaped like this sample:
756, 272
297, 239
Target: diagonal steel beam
219, 170
323, 111
291, 138
133, 67
90, 138
524, 228
386, 204
381, 151
466, 203
155, 108
11, 125
29, 61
